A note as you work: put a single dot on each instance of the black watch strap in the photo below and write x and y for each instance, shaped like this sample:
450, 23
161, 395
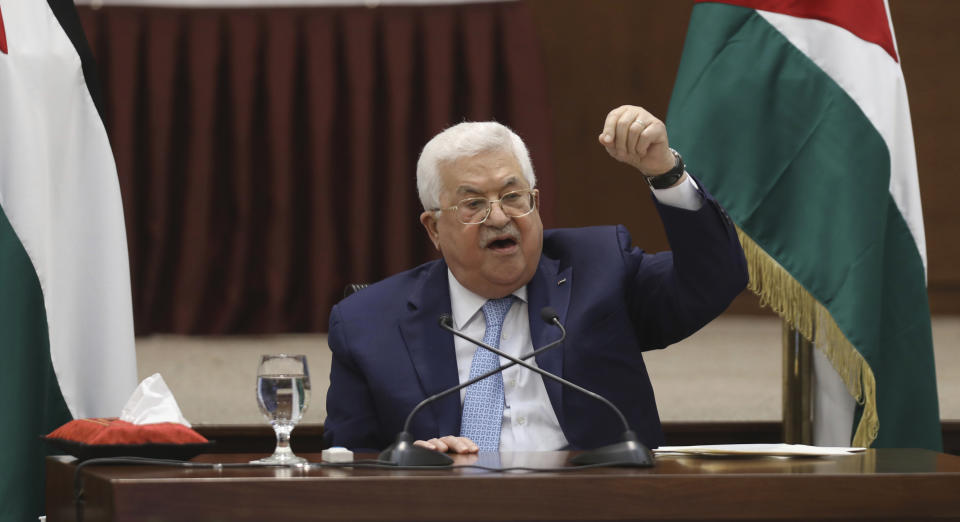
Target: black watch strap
668, 178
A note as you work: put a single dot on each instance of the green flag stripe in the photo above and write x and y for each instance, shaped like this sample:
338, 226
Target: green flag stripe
33, 400
64, 274
805, 175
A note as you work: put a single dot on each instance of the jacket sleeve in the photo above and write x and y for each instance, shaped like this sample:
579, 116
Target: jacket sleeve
351, 417
673, 294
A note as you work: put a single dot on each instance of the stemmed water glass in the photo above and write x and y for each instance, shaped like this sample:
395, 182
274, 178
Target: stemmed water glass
283, 392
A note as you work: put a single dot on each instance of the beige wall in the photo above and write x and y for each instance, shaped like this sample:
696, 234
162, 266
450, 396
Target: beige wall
730, 370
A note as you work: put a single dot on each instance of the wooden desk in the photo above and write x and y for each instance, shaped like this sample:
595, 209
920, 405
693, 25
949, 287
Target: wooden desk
879, 484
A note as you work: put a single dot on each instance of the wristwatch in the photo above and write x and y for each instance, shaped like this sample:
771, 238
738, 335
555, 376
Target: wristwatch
668, 178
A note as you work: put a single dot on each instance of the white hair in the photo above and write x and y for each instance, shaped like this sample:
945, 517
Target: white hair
464, 140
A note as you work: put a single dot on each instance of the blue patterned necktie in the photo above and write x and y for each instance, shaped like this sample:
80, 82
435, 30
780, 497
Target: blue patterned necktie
483, 402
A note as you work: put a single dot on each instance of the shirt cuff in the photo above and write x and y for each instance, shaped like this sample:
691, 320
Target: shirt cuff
684, 195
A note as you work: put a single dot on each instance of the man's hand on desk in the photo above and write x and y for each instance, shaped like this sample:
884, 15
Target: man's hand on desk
449, 444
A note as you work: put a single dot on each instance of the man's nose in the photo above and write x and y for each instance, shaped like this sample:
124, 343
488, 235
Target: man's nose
497, 217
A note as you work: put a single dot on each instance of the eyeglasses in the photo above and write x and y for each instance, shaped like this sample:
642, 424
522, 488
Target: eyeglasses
473, 211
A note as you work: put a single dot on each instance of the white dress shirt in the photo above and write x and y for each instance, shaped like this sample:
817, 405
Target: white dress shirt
529, 422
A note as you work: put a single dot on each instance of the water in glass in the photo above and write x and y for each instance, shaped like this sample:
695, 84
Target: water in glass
283, 393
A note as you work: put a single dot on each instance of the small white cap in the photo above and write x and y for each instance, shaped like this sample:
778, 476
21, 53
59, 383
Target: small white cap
337, 454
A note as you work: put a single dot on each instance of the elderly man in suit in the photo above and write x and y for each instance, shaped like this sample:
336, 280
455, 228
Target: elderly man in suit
499, 268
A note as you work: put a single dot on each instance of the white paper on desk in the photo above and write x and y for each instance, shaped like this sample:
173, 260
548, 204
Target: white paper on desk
152, 402
759, 450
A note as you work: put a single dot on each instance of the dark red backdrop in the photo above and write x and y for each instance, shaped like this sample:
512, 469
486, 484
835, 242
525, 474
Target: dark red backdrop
251, 142
267, 156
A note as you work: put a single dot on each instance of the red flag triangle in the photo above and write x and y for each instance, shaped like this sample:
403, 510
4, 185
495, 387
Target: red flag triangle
867, 20
3, 36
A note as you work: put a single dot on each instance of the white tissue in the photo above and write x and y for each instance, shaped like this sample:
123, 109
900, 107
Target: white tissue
152, 402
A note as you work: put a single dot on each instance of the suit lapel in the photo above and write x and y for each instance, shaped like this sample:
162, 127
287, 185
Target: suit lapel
431, 348
550, 286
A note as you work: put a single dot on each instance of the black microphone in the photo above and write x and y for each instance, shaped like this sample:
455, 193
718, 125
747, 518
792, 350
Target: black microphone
550, 316
630, 452
404, 453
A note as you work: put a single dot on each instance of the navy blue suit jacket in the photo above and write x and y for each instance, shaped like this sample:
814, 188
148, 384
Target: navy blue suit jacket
616, 301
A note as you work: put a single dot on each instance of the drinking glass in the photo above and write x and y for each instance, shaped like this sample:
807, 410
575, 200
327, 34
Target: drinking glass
283, 392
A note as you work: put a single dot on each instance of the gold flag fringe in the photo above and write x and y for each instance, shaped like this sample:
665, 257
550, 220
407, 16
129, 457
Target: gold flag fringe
791, 301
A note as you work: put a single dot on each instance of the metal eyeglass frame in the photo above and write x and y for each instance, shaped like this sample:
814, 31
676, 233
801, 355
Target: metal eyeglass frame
533, 205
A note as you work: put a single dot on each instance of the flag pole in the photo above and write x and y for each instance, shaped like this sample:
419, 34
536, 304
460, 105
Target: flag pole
797, 387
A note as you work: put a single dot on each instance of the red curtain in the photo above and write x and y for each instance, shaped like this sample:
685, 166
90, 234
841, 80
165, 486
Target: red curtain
267, 156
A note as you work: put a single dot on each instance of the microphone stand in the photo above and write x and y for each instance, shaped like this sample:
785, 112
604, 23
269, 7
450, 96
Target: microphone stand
628, 453
404, 453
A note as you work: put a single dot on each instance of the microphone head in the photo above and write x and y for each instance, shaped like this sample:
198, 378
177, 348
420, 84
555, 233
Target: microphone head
446, 320
549, 315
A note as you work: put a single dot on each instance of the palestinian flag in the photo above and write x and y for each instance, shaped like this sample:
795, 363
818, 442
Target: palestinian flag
794, 114
66, 322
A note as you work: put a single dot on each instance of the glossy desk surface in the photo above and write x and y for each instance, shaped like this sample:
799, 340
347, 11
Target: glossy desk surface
889, 484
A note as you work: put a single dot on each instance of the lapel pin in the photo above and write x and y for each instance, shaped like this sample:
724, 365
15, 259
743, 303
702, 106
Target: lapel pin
560, 282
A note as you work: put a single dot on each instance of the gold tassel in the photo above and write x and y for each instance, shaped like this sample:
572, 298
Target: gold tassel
778, 290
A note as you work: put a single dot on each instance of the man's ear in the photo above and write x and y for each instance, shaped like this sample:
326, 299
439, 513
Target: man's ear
429, 221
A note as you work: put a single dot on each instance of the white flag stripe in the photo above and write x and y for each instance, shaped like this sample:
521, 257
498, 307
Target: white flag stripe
59, 190
875, 83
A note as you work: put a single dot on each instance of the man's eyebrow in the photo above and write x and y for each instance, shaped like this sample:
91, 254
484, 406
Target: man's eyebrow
468, 189
512, 180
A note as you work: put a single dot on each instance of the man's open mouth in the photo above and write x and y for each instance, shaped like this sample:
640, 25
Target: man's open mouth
502, 244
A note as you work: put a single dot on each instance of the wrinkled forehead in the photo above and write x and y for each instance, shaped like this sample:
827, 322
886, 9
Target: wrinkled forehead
491, 171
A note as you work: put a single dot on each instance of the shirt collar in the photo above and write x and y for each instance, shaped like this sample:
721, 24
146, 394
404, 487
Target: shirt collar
465, 304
